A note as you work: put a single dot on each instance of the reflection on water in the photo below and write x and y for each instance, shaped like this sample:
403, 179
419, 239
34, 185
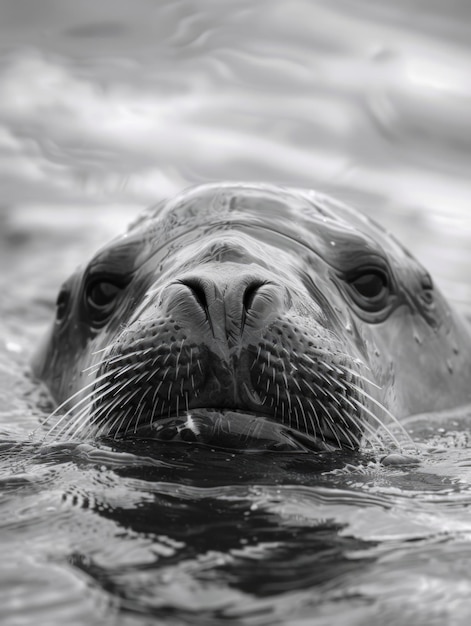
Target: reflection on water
107, 107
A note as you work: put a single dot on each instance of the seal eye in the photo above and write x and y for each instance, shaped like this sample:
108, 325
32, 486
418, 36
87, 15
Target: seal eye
62, 304
370, 285
371, 289
100, 297
101, 293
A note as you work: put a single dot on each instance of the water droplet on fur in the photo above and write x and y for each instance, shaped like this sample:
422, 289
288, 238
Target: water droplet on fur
418, 338
449, 365
12, 346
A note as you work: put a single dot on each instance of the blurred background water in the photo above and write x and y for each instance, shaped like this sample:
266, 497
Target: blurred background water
106, 107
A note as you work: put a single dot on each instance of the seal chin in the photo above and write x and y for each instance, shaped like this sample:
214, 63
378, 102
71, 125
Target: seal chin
232, 430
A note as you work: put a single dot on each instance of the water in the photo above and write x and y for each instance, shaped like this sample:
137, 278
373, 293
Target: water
107, 107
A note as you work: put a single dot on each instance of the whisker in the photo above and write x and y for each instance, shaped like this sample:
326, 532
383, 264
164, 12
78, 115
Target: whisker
72, 409
331, 428
385, 410
303, 414
110, 359
70, 398
376, 420
316, 417
361, 377
141, 410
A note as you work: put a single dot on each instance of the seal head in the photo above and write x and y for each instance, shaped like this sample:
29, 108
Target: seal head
238, 306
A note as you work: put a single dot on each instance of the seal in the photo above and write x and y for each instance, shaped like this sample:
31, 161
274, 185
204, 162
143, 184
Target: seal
242, 313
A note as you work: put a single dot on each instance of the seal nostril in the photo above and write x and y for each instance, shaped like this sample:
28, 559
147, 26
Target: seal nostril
250, 293
198, 291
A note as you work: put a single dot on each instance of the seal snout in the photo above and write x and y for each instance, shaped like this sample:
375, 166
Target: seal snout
229, 304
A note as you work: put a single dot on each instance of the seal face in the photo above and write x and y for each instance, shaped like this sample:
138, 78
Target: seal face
236, 309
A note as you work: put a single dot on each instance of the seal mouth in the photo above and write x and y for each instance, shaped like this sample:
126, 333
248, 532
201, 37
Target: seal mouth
230, 430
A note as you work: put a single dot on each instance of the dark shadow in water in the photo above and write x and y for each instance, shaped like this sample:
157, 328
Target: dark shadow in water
202, 503
228, 545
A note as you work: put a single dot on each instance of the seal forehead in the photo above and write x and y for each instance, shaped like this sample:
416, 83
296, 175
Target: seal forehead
304, 218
